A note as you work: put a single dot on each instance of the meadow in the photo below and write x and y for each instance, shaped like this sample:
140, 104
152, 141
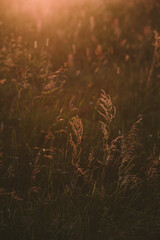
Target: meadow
80, 121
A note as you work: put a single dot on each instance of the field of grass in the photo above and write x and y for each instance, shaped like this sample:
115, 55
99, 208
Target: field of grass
80, 121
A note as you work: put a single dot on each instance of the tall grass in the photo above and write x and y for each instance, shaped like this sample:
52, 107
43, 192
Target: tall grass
79, 123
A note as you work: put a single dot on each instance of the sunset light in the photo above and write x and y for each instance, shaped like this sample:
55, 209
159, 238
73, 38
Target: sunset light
38, 10
79, 119
42, 6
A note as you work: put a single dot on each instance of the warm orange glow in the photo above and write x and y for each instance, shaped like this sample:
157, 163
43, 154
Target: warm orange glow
44, 6
38, 8
39, 11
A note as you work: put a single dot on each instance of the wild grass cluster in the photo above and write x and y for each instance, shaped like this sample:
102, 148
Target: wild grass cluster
80, 122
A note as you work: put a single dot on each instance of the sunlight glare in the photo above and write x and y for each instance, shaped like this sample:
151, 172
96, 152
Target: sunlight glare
40, 11
40, 6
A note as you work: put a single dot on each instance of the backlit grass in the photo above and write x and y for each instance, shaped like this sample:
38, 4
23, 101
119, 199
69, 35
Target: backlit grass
79, 122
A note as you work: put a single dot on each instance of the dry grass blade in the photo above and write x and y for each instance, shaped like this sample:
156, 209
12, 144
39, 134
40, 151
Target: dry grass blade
107, 111
155, 57
76, 138
54, 81
153, 170
129, 146
75, 141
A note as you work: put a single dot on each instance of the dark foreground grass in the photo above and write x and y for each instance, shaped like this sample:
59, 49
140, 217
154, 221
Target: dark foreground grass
76, 161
